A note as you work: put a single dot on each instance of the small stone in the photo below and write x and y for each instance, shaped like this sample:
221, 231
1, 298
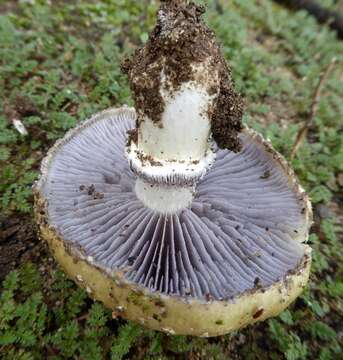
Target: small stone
169, 331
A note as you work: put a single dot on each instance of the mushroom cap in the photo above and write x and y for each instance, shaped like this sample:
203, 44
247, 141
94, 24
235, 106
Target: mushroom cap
235, 256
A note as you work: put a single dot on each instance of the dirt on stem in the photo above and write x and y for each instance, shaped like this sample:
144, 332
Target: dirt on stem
179, 41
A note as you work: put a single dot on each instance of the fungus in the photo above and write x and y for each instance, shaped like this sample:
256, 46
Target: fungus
175, 215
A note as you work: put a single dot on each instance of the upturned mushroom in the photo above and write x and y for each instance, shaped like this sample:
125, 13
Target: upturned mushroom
175, 215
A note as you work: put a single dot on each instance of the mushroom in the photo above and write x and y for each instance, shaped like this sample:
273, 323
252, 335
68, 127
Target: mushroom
175, 215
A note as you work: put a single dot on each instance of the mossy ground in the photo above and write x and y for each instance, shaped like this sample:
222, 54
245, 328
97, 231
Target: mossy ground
59, 63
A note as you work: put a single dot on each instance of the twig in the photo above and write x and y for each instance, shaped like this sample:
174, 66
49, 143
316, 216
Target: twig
314, 108
49, 348
333, 18
82, 317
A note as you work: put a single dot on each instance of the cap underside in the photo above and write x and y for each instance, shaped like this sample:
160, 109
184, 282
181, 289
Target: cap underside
243, 229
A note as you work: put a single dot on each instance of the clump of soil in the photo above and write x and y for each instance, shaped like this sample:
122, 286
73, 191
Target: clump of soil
19, 244
179, 41
226, 116
25, 107
19, 108
91, 191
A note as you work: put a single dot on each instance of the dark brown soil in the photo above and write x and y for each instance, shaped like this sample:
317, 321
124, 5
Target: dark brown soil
132, 136
24, 106
19, 108
19, 244
179, 40
9, 7
226, 116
